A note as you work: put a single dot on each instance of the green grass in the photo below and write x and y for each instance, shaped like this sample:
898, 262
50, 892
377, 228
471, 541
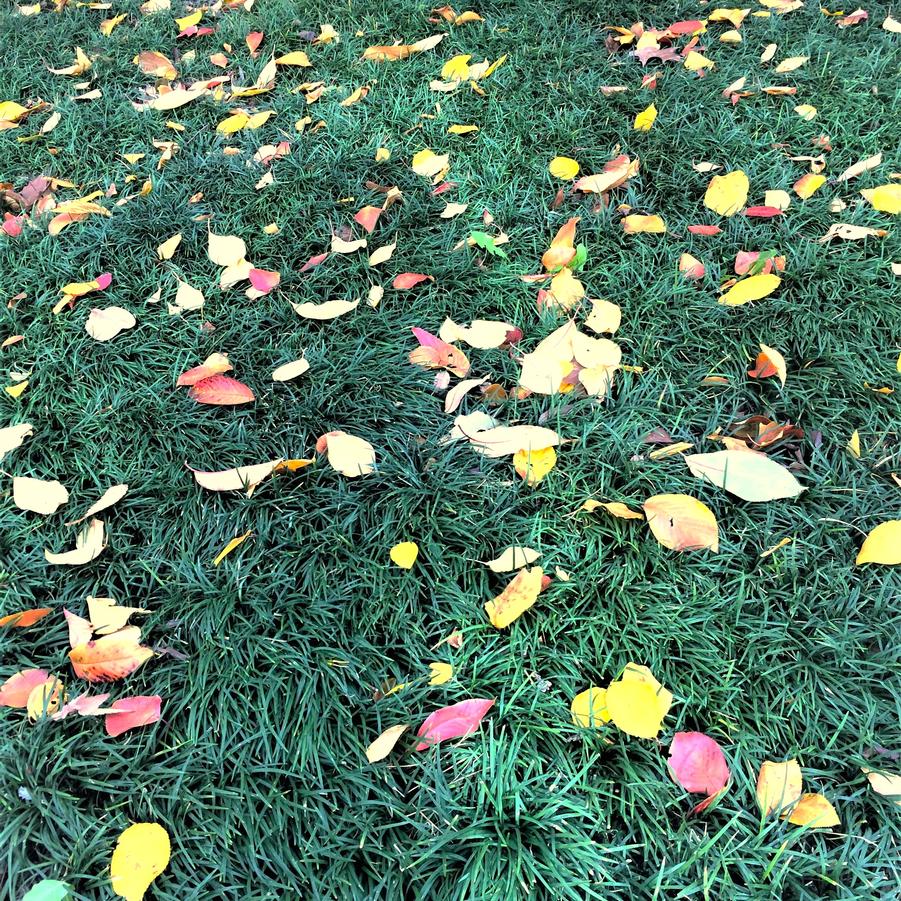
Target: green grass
257, 769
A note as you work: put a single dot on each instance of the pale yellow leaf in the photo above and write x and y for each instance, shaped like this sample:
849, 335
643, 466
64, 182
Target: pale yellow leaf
39, 496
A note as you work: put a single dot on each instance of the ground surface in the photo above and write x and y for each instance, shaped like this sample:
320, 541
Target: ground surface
257, 768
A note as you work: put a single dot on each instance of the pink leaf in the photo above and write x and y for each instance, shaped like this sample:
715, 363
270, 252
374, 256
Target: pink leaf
698, 764
254, 39
104, 280
367, 217
313, 262
221, 391
762, 212
12, 225
85, 705
444, 187
453, 722
80, 630
141, 710
685, 27
704, 229
264, 280
409, 279
15, 690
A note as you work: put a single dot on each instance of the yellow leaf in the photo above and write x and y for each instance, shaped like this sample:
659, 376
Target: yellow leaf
348, 454
235, 542
634, 708
44, 699
189, 20
605, 316
614, 508
886, 198
645, 119
39, 496
806, 111
10, 111
813, 810
755, 287
141, 854
533, 466
512, 558
456, 68
355, 97
731, 37
781, 200
853, 444
807, 185
462, 129
636, 224
89, 544
635, 672
563, 167
16, 390
404, 554
778, 785
516, 598
886, 784
682, 523
295, 58
289, 371
790, 64
168, 247
234, 123
384, 744
107, 25
106, 616
589, 708
695, 61
882, 545
726, 194
566, 289
259, 119
429, 164
382, 155
226, 250
441, 673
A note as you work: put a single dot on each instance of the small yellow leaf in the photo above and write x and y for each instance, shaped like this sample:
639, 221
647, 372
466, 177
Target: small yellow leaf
141, 854
614, 508
813, 810
234, 123
462, 129
16, 390
534, 465
382, 155
755, 287
806, 111
886, 784
695, 61
636, 224
235, 542
385, 743
645, 119
516, 598
456, 68
853, 444
790, 64
807, 185
295, 58
778, 785
882, 545
563, 167
513, 558
589, 708
107, 25
404, 554
168, 247
726, 194
189, 20
441, 673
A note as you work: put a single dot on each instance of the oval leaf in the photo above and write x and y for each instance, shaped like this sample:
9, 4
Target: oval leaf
454, 721
141, 854
221, 390
746, 474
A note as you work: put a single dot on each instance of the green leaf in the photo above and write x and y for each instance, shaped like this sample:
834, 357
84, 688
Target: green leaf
486, 242
579, 260
761, 261
49, 890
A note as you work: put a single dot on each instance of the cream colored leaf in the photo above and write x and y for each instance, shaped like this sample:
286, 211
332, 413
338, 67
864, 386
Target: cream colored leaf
511, 559
288, 371
168, 247
238, 479
455, 396
104, 325
226, 250
106, 616
382, 254
350, 455
88, 545
13, 437
503, 441
480, 333
749, 475
39, 496
330, 309
605, 316
339, 245
384, 744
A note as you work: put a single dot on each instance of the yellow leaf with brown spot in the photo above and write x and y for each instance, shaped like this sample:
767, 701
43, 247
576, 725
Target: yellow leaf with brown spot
111, 657
516, 598
682, 523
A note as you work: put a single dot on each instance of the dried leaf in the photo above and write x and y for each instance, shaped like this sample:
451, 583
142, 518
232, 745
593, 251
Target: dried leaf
512, 558
348, 454
749, 475
220, 390
104, 325
39, 496
111, 657
384, 744
289, 371
130, 713
238, 479
330, 309
15, 691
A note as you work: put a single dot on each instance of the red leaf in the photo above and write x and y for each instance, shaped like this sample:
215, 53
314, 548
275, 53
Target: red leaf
264, 280
763, 368
453, 722
409, 279
254, 39
313, 262
685, 27
12, 225
762, 212
15, 690
141, 710
221, 391
367, 217
704, 229
444, 187
698, 764
24, 618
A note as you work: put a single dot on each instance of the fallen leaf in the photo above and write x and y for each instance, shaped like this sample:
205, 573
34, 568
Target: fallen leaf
512, 558
589, 708
614, 508
15, 691
886, 784
698, 764
807, 185
232, 545
750, 475
186, 298
754, 287
503, 441
790, 64
220, 390
778, 786
289, 371
106, 616
24, 618
382, 254
563, 167
814, 811
634, 708
111, 657
885, 198
645, 119
882, 545
605, 316
104, 325
238, 479
726, 194
45, 699
480, 333
404, 554
871, 162
532, 466
407, 280
769, 363
682, 523
456, 721
330, 309
141, 854
168, 247
433, 353
39, 496
384, 744
225, 250
294, 58
441, 673
519, 595
13, 436
348, 454
846, 232
635, 224
130, 713
88, 546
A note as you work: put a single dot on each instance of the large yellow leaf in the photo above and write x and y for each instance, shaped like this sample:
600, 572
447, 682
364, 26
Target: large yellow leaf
384, 744
141, 854
754, 287
589, 708
634, 708
226, 250
885, 198
882, 545
533, 466
726, 194
516, 598
813, 810
38, 496
635, 672
682, 523
348, 454
778, 785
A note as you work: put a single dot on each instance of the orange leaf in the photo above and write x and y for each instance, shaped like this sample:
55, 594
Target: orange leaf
111, 657
130, 713
367, 217
410, 279
221, 391
253, 40
562, 249
433, 353
24, 618
682, 523
212, 365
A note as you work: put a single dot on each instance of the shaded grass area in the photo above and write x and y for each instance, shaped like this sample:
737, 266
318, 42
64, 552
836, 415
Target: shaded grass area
257, 769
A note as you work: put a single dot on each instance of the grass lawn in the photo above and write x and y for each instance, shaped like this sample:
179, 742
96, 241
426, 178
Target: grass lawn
257, 768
